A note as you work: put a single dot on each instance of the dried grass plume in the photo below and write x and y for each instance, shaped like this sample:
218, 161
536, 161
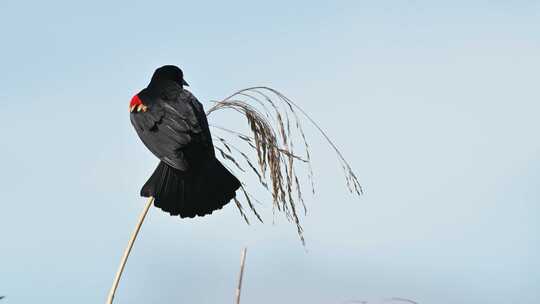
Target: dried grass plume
275, 124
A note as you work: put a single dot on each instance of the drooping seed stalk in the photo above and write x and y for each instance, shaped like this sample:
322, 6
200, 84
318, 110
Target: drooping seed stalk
275, 126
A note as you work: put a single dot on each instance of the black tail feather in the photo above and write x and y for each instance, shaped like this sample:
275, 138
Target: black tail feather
187, 194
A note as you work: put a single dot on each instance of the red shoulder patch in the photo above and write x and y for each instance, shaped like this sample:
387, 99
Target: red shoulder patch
135, 101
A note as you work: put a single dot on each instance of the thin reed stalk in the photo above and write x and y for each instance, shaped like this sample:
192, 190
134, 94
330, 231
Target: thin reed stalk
240, 276
127, 251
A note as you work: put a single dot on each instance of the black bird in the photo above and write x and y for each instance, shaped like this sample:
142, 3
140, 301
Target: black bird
171, 122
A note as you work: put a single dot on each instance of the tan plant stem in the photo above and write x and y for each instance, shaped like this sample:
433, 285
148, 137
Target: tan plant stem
128, 250
239, 287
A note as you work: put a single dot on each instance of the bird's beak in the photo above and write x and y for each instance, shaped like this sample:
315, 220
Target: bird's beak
185, 83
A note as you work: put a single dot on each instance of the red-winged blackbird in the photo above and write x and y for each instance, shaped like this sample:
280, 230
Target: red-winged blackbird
171, 122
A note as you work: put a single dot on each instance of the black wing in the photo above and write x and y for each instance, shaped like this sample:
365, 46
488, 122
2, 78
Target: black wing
173, 126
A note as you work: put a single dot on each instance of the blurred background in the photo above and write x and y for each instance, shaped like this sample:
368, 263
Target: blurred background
434, 105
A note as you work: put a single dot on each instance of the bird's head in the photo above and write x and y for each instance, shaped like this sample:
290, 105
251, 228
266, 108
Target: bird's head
171, 73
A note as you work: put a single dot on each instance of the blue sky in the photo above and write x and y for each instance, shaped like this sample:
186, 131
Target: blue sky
434, 104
